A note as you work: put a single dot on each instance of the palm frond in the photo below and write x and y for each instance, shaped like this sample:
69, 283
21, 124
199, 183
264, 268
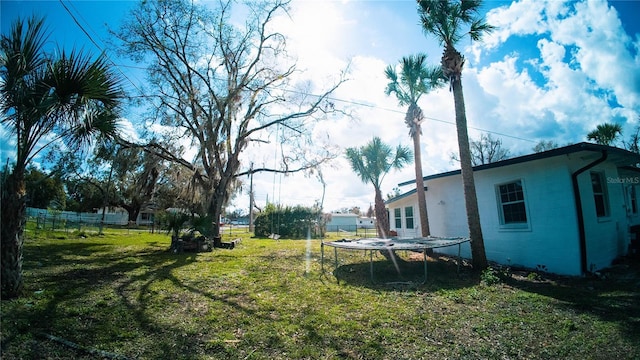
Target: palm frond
96, 123
373, 161
446, 20
76, 79
416, 79
479, 28
403, 156
22, 62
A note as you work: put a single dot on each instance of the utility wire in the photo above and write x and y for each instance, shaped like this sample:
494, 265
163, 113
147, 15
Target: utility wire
376, 107
426, 117
352, 102
98, 46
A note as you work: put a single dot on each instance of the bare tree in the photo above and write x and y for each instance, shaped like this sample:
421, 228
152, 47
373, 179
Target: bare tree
224, 88
485, 151
543, 145
633, 144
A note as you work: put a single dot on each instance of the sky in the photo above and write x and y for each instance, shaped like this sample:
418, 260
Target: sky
552, 71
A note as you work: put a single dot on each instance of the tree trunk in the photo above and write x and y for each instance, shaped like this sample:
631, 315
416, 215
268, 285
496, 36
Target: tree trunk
215, 210
13, 217
382, 220
132, 210
470, 198
133, 215
422, 200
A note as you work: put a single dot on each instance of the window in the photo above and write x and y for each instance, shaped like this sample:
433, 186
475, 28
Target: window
512, 206
397, 214
408, 217
600, 194
631, 203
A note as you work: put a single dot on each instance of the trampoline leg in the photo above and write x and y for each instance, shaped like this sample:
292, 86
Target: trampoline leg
322, 257
459, 258
371, 264
424, 255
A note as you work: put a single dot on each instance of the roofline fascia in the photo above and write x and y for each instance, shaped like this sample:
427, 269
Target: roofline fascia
570, 149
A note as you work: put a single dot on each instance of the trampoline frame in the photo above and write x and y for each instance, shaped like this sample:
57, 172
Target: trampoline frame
377, 244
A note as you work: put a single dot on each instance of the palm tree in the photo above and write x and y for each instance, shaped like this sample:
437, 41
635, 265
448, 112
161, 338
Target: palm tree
605, 134
44, 100
372, 162
449, 21
414, 80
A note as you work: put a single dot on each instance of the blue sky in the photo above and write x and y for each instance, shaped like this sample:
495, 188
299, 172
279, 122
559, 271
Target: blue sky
552, 71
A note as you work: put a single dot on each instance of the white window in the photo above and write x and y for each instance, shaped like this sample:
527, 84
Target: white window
397, 214
511, 203
408, 216
600, 194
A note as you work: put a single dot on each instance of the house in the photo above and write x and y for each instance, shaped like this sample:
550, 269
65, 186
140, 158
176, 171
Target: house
568, 210
344, 222
145, 216
366, 223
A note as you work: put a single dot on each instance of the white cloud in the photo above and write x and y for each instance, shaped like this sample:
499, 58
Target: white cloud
128, 130
550, 71
520, 18
585, 62
603, 49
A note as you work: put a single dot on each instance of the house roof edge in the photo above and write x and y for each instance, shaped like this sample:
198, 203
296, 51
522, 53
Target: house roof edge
569, 149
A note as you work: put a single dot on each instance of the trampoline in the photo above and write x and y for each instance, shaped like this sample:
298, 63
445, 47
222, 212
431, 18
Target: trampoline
378, 244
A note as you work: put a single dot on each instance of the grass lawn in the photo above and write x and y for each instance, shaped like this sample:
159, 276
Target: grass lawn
124, 296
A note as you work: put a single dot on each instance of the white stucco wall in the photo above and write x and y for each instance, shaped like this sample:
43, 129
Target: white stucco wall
606, 237
550, 241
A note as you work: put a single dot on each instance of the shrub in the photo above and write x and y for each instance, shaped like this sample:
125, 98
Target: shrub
288, 222
490, 276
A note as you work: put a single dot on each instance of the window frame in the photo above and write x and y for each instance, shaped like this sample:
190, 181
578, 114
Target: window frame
603, 194
503, 224
397, 216
633, 199
408, 218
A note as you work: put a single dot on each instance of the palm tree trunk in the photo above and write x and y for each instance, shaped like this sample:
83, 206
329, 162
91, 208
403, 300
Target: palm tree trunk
479, 258
382, 221
422, 200
12, 216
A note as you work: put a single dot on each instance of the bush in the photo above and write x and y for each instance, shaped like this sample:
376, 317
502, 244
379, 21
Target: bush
490, 276
288, 222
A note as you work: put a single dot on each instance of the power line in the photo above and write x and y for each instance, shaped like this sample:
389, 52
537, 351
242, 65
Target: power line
376, 107
359, 103
96, 44
352, 102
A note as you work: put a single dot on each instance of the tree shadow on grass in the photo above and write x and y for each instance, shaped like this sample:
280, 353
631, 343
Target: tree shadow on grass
58, 277
612, 295
91, 296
